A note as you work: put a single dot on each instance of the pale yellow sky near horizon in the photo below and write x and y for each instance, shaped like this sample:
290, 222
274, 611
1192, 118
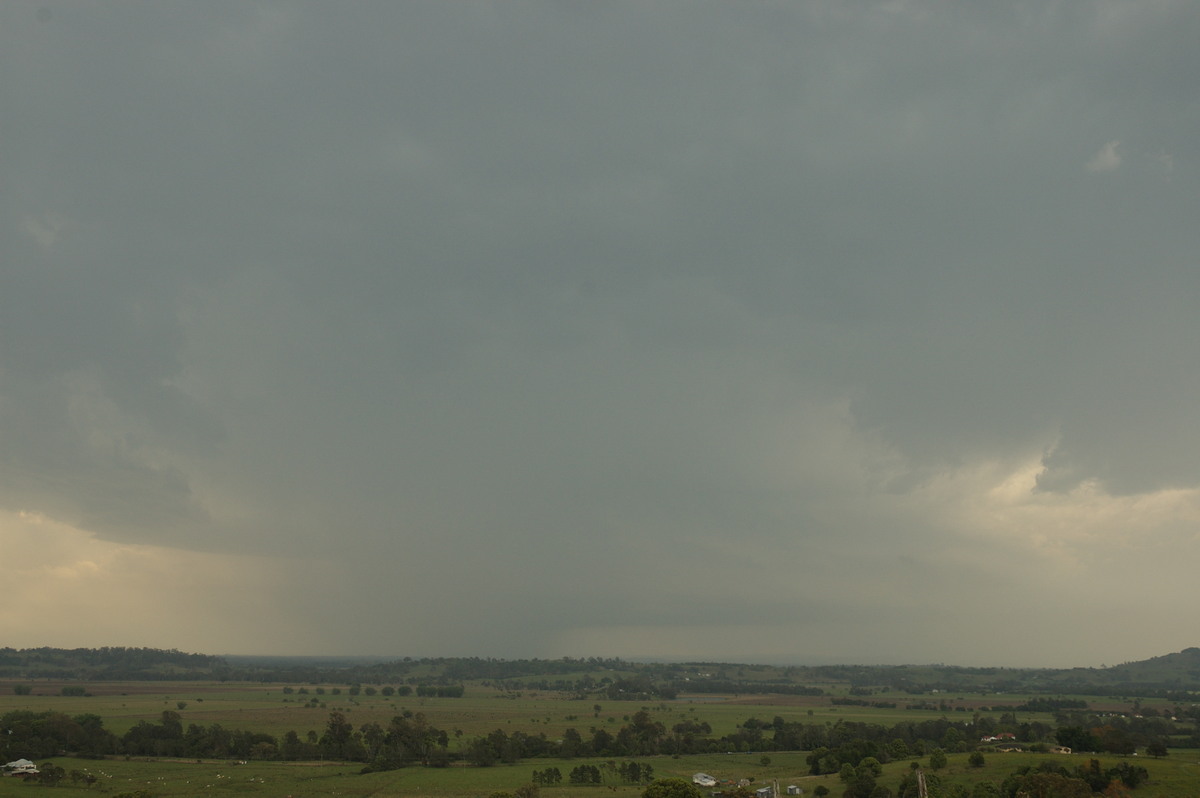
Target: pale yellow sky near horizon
67, 580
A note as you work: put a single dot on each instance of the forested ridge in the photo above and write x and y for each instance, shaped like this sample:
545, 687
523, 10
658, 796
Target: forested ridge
1172, 675
109, 663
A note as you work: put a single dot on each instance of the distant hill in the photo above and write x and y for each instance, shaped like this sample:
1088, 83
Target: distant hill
1176, 675
1181, 670
108, 664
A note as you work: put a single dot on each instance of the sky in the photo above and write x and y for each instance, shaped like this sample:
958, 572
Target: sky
789, 332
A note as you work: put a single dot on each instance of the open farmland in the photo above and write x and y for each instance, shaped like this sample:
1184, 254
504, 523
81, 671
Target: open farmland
459, 728
267, 708
1173, 777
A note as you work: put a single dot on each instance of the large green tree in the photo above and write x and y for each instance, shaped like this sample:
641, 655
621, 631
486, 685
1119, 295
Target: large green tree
1053, 785
1077, 738
672, 788
338, 734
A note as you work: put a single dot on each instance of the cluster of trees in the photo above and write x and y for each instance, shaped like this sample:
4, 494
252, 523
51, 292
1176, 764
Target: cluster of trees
752, 687
1117, 734
35, 735
168, 737
501, 747
1046, 704
1113, 737
631, 688
900, 741
407, 739
635, 772
1046, 780
440, 690
586, 774
839, 743
404, 690
641, 737
862, 702
490, 668
628, 772
862, 781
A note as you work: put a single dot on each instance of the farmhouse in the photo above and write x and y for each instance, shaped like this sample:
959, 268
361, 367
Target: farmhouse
21, 767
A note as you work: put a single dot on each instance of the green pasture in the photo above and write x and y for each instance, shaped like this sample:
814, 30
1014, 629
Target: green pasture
266, 708
182, 778
482, 709
1176, 776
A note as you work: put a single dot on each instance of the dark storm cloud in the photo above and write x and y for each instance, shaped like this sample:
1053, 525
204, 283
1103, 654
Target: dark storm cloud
518, 288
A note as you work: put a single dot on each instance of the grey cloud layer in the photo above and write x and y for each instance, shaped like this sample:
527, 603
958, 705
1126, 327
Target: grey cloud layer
502, 287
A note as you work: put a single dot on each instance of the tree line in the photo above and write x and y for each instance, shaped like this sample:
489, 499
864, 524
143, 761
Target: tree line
409, 739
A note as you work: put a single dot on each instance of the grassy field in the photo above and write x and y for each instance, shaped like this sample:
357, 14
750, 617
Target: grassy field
267, 708
1173, 777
